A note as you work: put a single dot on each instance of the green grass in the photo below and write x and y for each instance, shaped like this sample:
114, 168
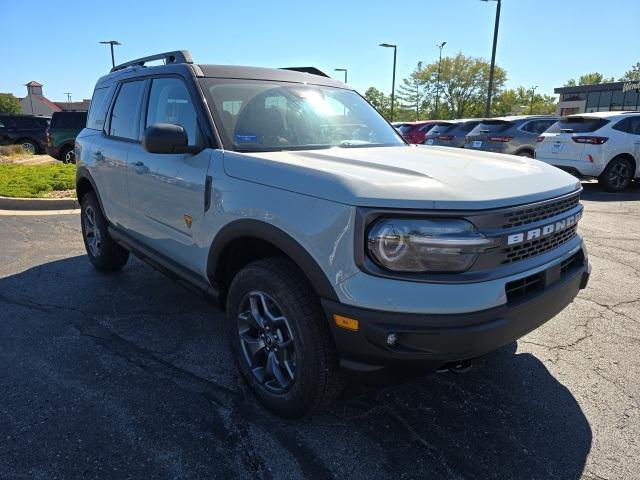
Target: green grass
31, 181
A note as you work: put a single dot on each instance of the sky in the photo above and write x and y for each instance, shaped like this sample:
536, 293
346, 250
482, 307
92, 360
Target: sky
541, 42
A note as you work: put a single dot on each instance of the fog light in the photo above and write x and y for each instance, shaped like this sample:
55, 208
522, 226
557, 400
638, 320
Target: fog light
392, 338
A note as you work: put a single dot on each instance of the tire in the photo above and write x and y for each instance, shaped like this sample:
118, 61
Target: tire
288, 326
525, 153
617, 176
29, 146
103, 251
67, 155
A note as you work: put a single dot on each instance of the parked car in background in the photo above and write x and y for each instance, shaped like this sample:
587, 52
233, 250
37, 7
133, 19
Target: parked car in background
25, 130
400, 125
62, 132
438, 127
604, 145
514, 135
454, 135
416, 131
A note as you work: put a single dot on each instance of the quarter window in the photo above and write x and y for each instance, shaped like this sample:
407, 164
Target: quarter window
170, 102
99, 107
124, 116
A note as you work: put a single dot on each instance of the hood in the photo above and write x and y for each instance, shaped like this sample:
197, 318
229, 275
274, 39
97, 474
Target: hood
420, 177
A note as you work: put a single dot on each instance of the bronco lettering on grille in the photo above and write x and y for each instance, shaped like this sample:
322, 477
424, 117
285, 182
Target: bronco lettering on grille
544, 231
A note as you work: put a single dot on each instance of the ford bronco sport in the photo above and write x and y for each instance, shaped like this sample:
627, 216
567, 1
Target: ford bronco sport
333, 246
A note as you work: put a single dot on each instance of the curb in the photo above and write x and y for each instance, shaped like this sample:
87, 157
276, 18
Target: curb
10, 203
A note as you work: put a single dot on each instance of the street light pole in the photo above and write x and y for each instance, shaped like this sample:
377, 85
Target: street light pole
487, 110
393, 82
342, 70
418, 93
111, 43
440, 46
533, 94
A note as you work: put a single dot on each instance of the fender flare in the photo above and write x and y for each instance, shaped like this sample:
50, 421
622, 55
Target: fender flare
83, 174
267, 232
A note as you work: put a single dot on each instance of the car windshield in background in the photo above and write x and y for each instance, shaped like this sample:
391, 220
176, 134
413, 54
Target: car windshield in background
577, 125
491, 126
69, 120
266, 116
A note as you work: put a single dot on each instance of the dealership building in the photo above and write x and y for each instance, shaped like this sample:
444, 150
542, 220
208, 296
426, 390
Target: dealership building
602, 97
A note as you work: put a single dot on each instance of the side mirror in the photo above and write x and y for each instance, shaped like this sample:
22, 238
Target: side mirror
167, 138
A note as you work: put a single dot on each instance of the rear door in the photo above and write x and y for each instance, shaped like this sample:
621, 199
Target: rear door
109, 152
167, 191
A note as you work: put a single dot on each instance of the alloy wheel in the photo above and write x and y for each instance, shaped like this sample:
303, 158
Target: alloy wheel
69, 157
267, 342
619, 175
29, 147
92, 232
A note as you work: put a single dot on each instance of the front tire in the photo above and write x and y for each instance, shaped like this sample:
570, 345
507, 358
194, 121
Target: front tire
280, 338
617, 176
29, 146
102, 250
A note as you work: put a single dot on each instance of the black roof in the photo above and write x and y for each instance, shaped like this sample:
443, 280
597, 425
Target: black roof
613, 86
180, 62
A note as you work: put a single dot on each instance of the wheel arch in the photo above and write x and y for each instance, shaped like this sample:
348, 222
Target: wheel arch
246, 240
627, 156
86, 184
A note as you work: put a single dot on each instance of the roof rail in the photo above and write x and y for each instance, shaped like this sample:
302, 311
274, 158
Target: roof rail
311, 70
179, 56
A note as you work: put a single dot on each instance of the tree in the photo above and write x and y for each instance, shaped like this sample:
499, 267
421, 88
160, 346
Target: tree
589, 79
412, 95
379, 100
464, 82
9, 104
522, 100
632, 75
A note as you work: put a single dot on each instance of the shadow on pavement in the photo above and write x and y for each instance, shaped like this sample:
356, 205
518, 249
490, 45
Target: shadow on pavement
593, 191
128, 375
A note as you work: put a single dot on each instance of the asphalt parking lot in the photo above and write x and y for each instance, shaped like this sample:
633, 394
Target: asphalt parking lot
128, 376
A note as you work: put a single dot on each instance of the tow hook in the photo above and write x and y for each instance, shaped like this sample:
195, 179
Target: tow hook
456, 367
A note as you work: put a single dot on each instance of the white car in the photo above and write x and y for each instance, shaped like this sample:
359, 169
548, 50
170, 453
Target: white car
605, 145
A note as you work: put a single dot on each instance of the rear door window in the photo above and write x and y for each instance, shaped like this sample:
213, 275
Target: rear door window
578, 124
125, 115
71, 120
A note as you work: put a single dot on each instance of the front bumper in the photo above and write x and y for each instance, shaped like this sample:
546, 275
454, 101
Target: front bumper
428, 341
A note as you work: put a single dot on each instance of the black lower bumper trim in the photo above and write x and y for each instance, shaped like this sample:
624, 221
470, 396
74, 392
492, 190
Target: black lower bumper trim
429, 341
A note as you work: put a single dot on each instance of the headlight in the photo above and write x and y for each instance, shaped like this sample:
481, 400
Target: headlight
421, 245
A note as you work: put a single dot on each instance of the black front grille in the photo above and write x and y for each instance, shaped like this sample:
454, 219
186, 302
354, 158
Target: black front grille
527, 215
536, 247
536, 281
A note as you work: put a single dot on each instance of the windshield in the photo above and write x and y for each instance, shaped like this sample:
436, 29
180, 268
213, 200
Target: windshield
266, 116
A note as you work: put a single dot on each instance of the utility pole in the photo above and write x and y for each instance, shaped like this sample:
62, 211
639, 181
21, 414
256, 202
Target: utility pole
418, 93
440, 46
342, 70
111, 43
393, 82
68, 94
533, 93
487, 110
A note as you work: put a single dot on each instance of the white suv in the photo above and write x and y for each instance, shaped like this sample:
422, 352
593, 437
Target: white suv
605, 145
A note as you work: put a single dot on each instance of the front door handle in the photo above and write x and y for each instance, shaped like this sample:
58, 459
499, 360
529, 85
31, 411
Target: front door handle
140, 167
97, 156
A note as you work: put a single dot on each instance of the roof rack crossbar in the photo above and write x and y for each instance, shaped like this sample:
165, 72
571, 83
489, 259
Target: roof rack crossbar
178, 56
311, 70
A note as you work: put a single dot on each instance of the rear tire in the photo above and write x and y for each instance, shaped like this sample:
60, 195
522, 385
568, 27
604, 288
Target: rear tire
617, 176
103, 251
29, 146
67, 155
280, 338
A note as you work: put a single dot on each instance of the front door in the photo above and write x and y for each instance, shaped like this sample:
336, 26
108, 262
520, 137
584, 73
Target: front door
167, 191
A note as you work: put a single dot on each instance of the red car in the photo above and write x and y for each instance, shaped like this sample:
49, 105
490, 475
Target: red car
415, 132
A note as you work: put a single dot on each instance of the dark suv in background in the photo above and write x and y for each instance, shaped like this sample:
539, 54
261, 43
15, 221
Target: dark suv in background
62, 132
25, 130
514, 135
454, 135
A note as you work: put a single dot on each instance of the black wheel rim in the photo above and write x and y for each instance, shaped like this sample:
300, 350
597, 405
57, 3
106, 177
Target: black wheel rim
29, 147
619, 175
68, 157
92, 232
267, 342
